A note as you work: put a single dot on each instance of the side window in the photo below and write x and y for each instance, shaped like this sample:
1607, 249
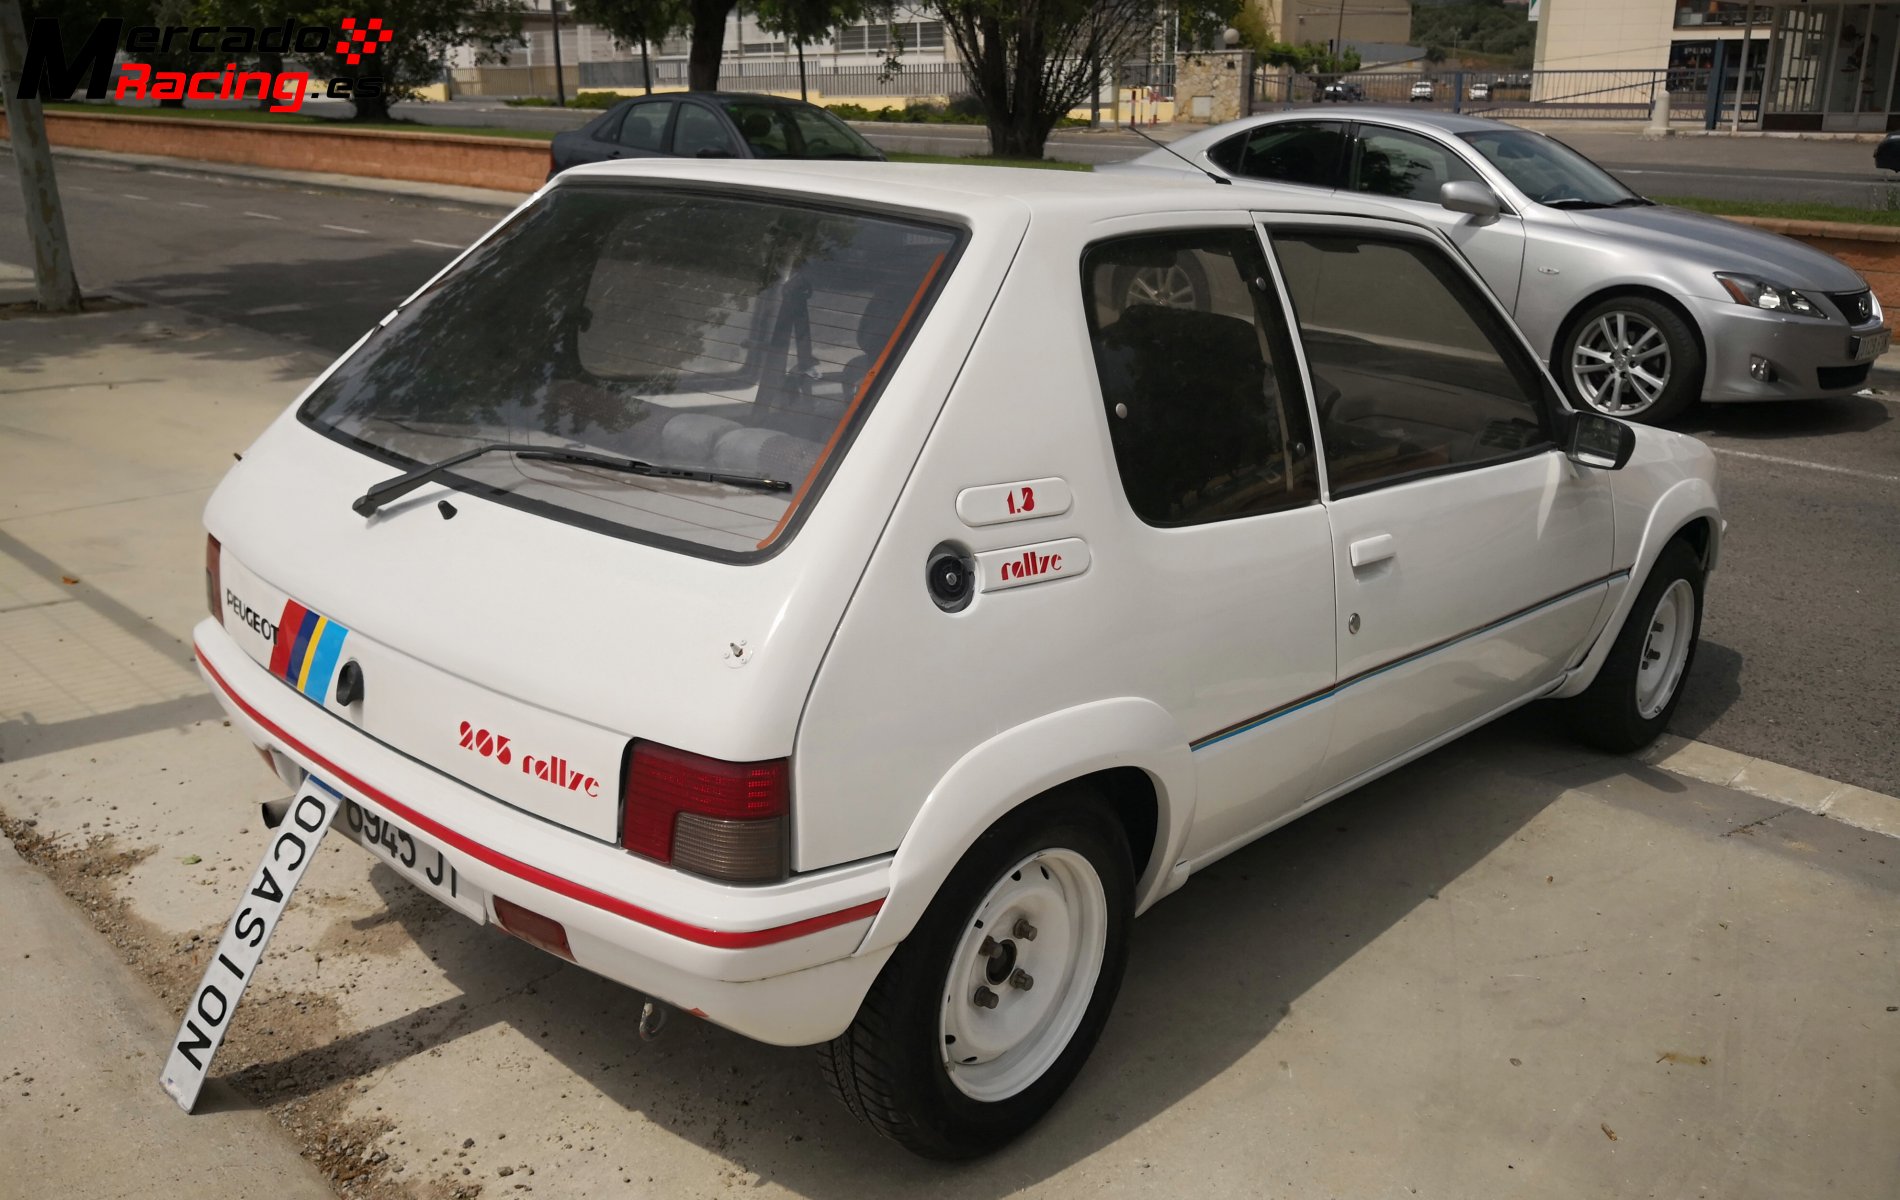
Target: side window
1414, 372
762, 126
1391, 162
1205, 412
645, 126
699, 129
1304, 152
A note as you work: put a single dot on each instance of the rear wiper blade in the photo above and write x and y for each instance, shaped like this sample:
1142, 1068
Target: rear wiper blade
409, 481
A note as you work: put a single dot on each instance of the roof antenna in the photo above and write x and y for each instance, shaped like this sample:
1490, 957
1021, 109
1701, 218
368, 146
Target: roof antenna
1159, 144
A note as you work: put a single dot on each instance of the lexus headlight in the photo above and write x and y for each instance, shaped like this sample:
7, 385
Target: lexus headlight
1757, 292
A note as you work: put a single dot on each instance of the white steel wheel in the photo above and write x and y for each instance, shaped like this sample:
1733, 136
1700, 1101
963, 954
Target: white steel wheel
1620, 363
1665, 649
1022, 974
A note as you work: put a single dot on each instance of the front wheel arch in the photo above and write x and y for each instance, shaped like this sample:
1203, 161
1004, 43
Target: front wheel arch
1584, 304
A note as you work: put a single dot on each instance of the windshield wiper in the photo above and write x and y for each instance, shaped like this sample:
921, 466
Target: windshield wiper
1574, 202
409, 481
1634, 202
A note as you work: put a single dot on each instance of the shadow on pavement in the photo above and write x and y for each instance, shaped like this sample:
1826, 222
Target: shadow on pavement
1713, 686
1786, 418
1215, 969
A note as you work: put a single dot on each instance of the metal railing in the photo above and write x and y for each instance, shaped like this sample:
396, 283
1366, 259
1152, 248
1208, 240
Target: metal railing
1514, 95
937, 80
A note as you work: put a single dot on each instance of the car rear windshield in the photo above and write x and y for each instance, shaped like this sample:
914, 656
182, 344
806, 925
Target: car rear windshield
712, 332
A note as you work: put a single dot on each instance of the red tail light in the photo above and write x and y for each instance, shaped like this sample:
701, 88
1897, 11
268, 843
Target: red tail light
214, 578
533, 928
726, 820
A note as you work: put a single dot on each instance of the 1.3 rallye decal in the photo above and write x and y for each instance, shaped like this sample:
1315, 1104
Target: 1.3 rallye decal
308, 647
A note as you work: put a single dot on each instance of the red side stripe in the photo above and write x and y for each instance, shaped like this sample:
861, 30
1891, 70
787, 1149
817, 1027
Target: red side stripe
287, 627
720, 939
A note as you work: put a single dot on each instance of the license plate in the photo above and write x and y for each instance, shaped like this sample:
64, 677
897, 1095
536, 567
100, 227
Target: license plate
414, 858
290, 850
1870, 346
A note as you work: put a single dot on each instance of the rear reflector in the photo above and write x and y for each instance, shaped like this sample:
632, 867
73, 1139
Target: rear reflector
533, 928
214, 578
722, 819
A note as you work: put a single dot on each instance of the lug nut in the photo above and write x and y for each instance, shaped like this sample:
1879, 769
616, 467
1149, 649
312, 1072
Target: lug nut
989, 948
984, 998
1024, 929
1022, 979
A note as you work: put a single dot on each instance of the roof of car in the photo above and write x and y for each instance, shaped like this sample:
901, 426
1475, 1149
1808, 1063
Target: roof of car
954, 189
1444, 123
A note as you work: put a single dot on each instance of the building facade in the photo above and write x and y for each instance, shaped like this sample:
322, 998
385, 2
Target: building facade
1807, 65
1335, 23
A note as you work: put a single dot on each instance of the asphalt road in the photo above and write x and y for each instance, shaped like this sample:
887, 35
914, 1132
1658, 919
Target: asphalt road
1800, 661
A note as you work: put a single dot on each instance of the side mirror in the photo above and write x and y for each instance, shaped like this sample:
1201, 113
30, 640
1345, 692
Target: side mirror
1462, 195
1599, 441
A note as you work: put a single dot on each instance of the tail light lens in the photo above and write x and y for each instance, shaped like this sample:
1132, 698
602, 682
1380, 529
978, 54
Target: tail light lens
721, 819
533, 928
214, 578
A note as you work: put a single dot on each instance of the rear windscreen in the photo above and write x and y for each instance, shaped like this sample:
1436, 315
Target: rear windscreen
689, 330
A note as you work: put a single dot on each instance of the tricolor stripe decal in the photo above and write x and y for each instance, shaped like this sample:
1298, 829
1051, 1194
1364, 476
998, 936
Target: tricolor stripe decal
307, 649
722, 939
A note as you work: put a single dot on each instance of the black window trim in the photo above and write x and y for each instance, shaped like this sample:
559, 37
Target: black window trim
1518, 357
1289, 360
1454, 147
960, 234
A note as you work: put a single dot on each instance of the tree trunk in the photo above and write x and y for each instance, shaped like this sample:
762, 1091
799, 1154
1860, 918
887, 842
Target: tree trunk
56, 288
709, 44
274, 63
371, 108
801, 71
1017, 135
646, 67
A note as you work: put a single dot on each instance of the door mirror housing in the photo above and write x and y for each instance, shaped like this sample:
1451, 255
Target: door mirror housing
1464, 196
1599, 441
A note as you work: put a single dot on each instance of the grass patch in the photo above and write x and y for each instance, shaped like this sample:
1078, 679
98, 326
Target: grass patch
261, 117
1787, 210
984, 160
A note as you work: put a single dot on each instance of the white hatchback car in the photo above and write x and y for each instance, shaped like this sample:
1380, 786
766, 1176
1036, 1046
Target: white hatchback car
837, 599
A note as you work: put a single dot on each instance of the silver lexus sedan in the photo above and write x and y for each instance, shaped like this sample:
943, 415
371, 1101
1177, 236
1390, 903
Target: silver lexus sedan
1640, 308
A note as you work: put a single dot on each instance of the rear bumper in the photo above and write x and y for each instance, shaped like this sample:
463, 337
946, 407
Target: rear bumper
1810, 357
777, 963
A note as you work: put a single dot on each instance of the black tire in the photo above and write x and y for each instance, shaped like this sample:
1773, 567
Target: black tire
1683, 383
1607, 715
1181, 284
888, 1067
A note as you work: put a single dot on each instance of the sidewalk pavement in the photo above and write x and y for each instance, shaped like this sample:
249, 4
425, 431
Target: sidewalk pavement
82, 1041
1513, 966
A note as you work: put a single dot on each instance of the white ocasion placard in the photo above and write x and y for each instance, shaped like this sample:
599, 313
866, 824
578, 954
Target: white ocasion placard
293, 846
995, 503
998, 570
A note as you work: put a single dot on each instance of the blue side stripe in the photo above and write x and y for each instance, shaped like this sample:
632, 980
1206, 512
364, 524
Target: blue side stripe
1265, 718
329, 648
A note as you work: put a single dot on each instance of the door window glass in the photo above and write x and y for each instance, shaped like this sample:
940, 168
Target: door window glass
1305, 152
1205, 412
1391, 162
645, 126
1414, 372
699, 130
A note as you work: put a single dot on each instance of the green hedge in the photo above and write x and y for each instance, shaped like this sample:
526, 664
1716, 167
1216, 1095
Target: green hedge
577, 100
963, 110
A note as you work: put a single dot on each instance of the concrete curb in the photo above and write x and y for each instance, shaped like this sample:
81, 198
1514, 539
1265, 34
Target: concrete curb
1872, 811
321, 180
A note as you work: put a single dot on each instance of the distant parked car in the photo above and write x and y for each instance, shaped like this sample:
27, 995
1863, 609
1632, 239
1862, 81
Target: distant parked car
1478, 91
1639, 308
1887, 153
1423, 90
709, 125
1340, 91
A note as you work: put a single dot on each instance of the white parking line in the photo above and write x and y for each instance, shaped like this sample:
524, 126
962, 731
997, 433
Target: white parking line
192, 204
1876, 476
130, 196
345, 229
437, 245
263, 216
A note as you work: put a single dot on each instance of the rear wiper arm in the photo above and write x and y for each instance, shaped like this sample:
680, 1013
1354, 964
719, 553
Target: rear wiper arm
409, 481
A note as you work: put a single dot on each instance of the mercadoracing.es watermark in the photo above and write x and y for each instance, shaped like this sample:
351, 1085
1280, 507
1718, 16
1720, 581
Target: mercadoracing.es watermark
51, 74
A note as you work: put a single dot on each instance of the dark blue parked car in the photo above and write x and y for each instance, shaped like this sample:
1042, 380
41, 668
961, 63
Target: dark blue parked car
709, 125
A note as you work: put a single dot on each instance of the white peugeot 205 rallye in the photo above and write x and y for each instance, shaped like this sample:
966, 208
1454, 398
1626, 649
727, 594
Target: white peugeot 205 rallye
835, 599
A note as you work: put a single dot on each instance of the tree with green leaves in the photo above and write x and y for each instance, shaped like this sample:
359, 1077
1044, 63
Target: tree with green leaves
635, 22
425, 32
706, 23
802, 21
1031, 61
